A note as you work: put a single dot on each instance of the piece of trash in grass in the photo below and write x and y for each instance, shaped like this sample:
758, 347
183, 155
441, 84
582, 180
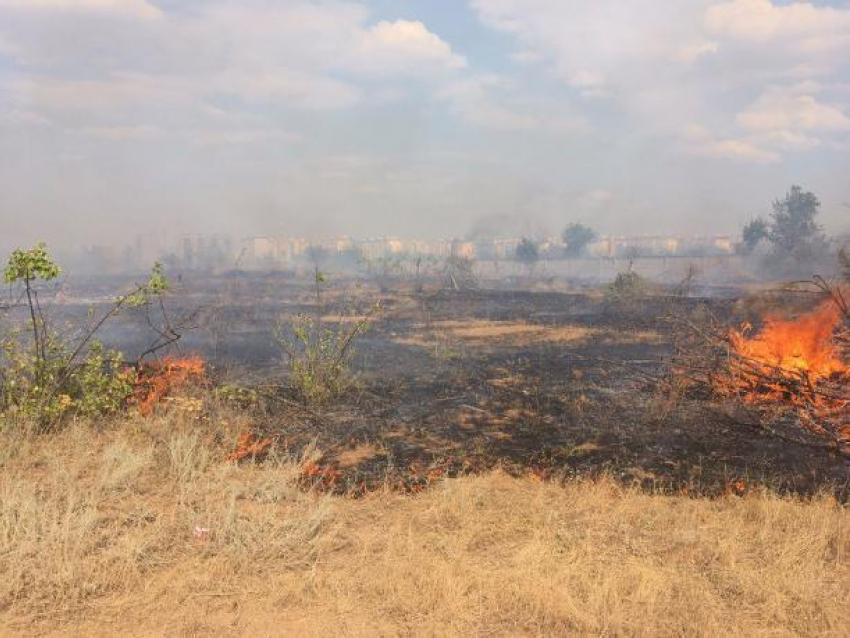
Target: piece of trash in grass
201, 534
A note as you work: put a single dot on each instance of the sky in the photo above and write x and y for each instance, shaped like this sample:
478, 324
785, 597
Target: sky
427, 118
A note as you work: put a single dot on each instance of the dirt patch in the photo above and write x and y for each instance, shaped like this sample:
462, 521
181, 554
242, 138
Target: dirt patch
477, 332
507, 332
344, 318
360, 454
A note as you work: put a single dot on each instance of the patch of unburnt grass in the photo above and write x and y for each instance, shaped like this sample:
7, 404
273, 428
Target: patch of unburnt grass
142, 527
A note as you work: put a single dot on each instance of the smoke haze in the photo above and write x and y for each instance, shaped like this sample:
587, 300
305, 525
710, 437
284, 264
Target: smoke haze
414, 117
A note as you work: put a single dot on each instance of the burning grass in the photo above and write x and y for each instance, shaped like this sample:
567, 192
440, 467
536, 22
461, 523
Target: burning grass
791, 367
141, 528
158, 379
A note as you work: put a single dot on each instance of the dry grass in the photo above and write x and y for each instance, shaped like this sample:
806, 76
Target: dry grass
96, 538
520, 333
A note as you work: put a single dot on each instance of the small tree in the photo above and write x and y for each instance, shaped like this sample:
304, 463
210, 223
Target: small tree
793, 229
63, 374
576, 238
528, 253
754, 232
795, 237
27, 267
318, 255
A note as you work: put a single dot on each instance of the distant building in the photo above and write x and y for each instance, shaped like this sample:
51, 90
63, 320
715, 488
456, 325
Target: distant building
379, 247
270, 251
465, 249
625, 246
495, 249
211, 252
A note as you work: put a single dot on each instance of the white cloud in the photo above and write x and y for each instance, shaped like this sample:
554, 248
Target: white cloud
781, 120
133, 8
100, 97
783, 109
701, 142
666, 64
775, 40
790, 140
403, 46
473, 100
299, 54
737, 149
239, 137
598, 46
692, 52
597, 96
495, 102
526, 56
800, 24
292, 87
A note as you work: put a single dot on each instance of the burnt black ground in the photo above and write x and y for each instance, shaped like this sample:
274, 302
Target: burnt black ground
427, 404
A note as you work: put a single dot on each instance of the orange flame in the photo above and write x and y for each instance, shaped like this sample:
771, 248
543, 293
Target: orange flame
797, 365
804, 345
158, 379
249, 445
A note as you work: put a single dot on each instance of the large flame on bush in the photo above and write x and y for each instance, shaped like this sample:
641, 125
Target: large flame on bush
803, 346
796, 365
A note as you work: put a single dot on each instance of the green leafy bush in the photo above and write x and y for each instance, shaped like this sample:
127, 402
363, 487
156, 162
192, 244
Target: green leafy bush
103, 383
46, 389
319, 354
43, 374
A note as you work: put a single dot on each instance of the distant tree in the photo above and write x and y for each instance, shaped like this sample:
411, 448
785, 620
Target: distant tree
576, 239
844, 260
793, 229
528, 253
796, 239
754, 232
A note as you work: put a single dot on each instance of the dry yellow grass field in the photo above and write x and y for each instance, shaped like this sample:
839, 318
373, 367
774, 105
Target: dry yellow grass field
97, 538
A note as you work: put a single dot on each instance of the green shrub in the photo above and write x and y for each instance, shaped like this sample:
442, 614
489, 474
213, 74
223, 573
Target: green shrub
43, 374
626, 285
103, 383
319, 354
45, 389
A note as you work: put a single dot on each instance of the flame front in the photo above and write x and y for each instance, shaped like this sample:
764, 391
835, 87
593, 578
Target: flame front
804, 345
157, 379
794, 365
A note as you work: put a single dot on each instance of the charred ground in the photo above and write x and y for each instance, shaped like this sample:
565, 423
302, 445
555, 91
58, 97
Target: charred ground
555, 384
